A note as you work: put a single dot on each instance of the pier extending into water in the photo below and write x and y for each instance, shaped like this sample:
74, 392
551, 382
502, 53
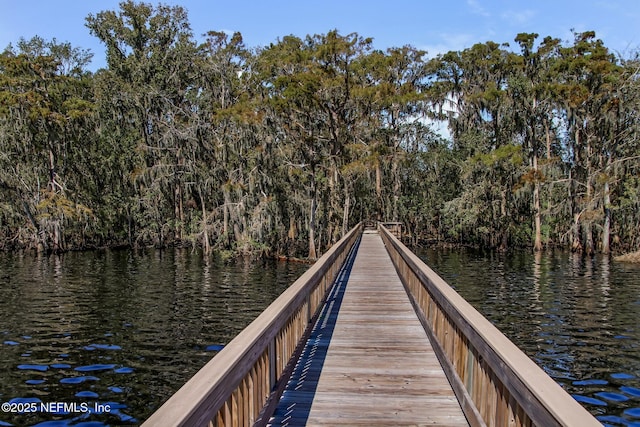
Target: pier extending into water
369, 335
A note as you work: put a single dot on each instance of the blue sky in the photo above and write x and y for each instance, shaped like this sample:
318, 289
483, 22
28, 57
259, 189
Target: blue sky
434, 25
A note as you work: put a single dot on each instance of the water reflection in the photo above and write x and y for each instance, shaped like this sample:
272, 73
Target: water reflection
576, 317
120, 328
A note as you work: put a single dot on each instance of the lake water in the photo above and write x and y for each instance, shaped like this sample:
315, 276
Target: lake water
576, 317
118, 329
125, 330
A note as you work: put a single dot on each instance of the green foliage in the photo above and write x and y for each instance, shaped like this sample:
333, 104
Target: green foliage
509, 154
280, 149
54, 205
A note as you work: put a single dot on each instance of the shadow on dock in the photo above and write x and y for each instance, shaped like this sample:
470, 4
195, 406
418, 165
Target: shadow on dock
295, 404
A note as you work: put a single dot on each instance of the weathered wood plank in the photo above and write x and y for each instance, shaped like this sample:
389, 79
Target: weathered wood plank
212, 393
379, 368
377, 365
496, 370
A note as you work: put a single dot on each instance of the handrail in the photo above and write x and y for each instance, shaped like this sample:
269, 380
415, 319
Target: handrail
495, 382
393, 227
234, 387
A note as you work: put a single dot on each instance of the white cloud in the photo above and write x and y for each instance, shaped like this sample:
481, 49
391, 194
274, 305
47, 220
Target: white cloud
520, 17
448, 42
477, 8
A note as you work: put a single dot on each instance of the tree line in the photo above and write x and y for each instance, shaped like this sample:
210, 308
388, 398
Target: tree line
280, 149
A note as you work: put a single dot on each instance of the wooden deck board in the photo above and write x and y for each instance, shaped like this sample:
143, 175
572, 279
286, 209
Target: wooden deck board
379, 368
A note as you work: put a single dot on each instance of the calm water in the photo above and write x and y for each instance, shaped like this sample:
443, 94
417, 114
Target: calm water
578, 318
119, 328
128, 329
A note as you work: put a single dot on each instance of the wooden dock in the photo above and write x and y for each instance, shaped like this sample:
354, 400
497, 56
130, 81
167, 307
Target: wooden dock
370, 335
377, 366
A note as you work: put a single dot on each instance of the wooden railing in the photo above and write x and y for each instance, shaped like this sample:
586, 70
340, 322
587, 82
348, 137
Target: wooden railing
495, 382
394, 228
240, 382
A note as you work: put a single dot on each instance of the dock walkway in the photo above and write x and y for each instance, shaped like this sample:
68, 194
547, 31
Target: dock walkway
368, 360
353, 341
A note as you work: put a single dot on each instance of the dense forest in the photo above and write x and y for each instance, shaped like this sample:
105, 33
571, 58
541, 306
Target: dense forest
279, 149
